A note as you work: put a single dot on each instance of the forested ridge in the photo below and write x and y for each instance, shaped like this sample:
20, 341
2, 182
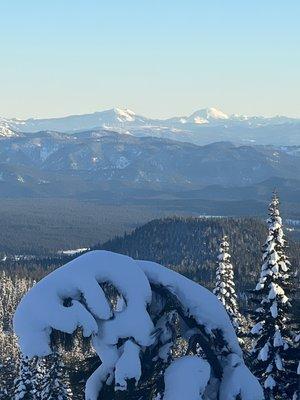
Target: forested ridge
187, 245
190, 246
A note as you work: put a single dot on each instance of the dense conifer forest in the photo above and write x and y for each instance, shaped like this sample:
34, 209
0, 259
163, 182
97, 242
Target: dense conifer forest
190, 246
44, 226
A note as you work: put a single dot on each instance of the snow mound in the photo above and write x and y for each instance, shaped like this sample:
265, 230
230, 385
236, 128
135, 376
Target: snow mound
186, 378
238, 381
128, 365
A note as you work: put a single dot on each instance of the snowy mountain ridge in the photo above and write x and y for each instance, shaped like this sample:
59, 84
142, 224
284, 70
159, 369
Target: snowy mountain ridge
202, 127
6, 129
125, 118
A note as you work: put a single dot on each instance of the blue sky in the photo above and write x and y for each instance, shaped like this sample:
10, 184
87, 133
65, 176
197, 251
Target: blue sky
158, 57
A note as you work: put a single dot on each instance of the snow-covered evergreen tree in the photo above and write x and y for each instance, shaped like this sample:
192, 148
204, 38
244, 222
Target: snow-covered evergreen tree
39, 378
225, 286
3, 390
272, 332
23, 388
55, 383
12, 289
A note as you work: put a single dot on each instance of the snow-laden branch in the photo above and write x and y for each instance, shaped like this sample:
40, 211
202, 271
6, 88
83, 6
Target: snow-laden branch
42, 309
140, 331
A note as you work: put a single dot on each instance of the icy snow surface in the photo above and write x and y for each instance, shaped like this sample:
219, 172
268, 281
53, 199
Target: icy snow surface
238, 380
128, 365
186, 378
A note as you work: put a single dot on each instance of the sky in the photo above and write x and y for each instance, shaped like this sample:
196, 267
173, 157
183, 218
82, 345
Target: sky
158, 57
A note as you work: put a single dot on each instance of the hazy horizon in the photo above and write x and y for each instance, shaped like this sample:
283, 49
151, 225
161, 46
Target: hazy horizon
149, 114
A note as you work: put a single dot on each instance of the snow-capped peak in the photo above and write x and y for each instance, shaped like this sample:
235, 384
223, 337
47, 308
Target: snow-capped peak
122, 119
124, 114
5, 129
207, 115
215, 114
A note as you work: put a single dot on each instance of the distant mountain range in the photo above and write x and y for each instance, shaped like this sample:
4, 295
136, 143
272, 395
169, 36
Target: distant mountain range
106, 165
211, 159
201, 127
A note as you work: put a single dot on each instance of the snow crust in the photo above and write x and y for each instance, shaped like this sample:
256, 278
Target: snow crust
257, 328
263, 355
269, 383
238, 380
128, 365
186, 378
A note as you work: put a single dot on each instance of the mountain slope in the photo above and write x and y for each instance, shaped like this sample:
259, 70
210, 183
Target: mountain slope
107, 160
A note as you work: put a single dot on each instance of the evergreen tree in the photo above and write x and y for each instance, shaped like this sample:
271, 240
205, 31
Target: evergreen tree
39, 379
23, 388
56, 383
225, 286
3, 390
273, 360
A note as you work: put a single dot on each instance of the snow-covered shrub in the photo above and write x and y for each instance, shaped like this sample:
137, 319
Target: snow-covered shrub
135, 340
